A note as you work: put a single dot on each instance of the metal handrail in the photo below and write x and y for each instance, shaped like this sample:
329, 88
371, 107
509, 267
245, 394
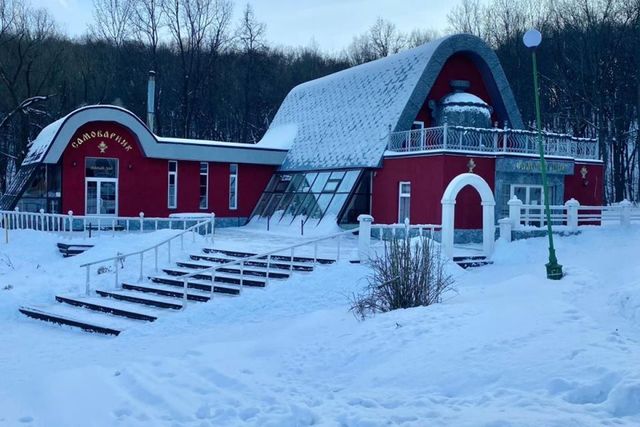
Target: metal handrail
241, 262
491, 140
121, 257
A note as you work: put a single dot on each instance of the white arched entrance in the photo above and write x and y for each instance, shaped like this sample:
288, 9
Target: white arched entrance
449, 206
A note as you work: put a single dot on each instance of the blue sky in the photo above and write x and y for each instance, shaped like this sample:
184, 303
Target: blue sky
330, 23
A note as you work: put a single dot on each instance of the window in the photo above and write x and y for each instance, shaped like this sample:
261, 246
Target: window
417, 125
204, 185
404, 201
172, 198
233, 186
307, 197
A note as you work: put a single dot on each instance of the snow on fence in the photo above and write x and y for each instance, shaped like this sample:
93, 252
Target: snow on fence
567, 217
60, 223
492, 140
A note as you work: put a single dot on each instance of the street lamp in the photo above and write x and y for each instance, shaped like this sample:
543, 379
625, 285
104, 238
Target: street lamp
532, 40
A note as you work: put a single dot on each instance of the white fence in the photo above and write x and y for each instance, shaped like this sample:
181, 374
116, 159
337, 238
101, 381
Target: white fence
60, 223
492, 140
568, 217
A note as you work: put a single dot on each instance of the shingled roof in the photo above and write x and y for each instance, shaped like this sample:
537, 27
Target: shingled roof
343, 120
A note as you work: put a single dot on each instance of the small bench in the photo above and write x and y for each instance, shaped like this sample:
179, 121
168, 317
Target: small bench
68, 250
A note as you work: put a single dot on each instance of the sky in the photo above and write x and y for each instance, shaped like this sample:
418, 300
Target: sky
331, 24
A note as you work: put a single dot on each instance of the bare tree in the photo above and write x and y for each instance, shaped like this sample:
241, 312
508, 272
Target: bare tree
113, 20
147, 20
191, 22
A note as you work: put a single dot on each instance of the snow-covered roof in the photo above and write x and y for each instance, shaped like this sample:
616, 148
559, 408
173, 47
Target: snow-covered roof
53, 139
344, 119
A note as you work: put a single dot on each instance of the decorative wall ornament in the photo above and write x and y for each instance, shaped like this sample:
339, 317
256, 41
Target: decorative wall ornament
102, 147
583, 172
471, 164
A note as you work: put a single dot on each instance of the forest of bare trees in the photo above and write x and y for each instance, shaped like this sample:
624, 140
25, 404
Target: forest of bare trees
218, 77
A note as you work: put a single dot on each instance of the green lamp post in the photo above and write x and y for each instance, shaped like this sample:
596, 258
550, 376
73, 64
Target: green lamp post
532, 40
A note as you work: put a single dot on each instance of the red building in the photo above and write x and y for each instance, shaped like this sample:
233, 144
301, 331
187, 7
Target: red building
384, 138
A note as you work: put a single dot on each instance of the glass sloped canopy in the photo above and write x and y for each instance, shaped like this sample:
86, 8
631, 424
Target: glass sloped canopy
307, 197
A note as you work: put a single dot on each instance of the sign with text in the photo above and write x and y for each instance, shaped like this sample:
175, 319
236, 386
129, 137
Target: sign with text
514, 165
102, 138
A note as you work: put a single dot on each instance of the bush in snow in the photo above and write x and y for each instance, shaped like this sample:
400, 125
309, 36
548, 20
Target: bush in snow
410, 273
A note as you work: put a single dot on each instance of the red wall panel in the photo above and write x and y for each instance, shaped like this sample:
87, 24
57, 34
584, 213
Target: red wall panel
429, 176
588, 191
142, 182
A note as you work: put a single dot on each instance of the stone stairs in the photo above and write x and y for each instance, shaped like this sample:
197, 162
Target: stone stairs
111, 311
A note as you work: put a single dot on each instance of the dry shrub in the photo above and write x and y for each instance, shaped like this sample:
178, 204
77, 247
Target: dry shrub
410, 273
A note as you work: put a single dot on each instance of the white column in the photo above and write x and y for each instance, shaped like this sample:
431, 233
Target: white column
364, 237
505, 229
515, 209
571, 206
625, 213
488, 227
448, 219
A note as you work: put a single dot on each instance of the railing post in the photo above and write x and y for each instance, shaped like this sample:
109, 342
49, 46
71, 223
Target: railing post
42, 227
155, 256
505, 138
445, 135
141, 215
115, 263
364, 237
141, 262
625, 213
505, 229
70, 213
268, 267
241, 276
571, 206
213, 283
515, 211
169, 251
185, 294
213, 226
17, 221
87, 287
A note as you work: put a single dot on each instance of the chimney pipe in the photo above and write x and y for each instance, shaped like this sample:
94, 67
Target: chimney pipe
151, 101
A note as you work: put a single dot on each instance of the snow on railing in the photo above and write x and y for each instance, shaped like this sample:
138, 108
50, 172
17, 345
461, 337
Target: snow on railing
492, 140
384, 231
204, 226
288, 253
569, 216
60, 223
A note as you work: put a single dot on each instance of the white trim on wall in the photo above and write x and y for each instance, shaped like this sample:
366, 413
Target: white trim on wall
171, 173
404, 195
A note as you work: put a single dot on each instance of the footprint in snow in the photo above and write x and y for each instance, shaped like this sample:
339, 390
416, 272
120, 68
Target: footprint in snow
26, 419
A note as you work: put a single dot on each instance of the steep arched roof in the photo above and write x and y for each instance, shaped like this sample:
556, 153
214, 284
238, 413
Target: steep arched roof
343, 120
53, 139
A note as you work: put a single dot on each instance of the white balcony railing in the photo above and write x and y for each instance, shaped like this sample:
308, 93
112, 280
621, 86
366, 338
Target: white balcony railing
494, 140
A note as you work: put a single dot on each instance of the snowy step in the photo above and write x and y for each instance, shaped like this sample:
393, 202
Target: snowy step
186, 268
117, 308
232, 279
242, 254
142, 298
194, 283
167, 291
280, 265
79, 318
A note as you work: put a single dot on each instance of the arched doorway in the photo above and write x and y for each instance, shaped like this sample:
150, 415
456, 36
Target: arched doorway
449, 205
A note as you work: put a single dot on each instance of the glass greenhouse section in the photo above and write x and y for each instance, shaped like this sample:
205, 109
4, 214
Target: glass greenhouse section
308, 197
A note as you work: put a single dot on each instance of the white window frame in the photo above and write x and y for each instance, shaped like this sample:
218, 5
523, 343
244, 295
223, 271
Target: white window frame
402, 195
206, 187
175, 175
529, 211
419, 124
233, 203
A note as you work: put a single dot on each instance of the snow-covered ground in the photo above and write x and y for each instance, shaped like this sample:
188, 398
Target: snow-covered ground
508, 348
